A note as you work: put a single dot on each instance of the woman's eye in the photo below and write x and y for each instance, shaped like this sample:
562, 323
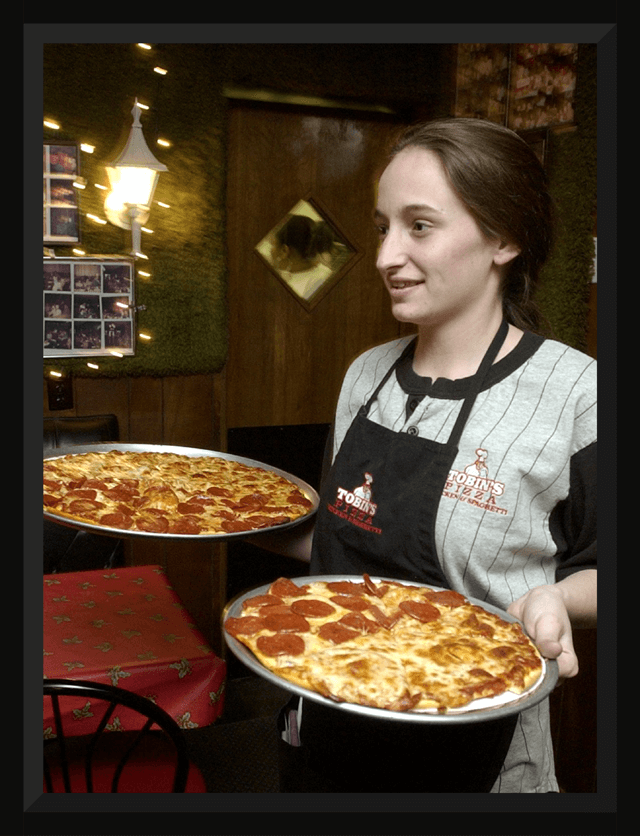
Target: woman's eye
420, 226
381, 230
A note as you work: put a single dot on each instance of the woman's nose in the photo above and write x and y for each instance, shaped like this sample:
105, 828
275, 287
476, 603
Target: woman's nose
391, 252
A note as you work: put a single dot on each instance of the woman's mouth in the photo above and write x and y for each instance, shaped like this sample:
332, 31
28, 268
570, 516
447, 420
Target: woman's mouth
398, 285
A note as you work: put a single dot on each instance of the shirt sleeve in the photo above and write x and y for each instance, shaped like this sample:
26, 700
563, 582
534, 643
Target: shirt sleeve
573, 522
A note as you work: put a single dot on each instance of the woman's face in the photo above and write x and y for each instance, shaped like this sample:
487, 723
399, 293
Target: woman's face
436, 263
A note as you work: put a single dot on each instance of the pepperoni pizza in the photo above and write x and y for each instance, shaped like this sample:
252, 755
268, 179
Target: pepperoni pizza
386, 644
168, 493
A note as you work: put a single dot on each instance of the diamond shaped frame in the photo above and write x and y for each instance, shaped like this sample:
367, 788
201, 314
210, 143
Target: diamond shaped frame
308, 252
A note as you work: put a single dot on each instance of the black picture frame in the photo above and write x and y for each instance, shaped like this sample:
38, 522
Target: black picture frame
60, 204
88, 306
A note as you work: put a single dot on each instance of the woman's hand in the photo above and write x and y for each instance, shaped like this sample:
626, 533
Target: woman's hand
549, 612
546, 620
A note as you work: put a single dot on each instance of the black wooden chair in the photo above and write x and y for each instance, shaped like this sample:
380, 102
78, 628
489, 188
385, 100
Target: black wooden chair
153, 758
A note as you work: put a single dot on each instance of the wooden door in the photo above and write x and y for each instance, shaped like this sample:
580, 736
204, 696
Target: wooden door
286, 357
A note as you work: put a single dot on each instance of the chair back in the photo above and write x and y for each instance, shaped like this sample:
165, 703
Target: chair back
153, 758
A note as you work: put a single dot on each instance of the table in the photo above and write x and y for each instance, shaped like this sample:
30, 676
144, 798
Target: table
127, 627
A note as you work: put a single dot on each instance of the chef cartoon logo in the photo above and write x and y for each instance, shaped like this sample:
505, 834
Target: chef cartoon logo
473, 485
356, 506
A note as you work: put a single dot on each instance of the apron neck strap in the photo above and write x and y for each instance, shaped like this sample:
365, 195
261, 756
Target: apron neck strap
478, 380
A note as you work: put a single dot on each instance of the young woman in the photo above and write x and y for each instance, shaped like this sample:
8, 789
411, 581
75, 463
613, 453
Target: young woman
478, 436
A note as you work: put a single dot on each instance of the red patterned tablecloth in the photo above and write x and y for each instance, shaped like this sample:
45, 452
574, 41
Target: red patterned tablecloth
127, 627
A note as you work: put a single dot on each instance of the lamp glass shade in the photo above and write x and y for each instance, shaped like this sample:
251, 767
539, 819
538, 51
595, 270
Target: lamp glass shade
133, 184
133, 177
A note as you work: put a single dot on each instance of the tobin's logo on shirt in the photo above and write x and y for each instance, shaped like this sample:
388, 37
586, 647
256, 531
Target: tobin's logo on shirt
355, 505
474, 486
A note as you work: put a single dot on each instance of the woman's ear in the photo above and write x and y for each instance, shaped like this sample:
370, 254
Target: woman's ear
505, 253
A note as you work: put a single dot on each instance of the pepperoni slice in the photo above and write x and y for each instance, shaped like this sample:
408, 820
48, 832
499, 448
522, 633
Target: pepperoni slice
156, 524
352, 602
116, 520
346, 588
282, 644
121, 492
478, 626
261, 601
214, 491
312, 608
252, 499
83, 493
76, 483
371, 588
359, 622
224, 515
336, 633
447, 597
186, 525
190, 508
299, 499
383, 620
420, 610
47, 499
285, 588
286, 623
235, 525
79, 506
246, 625
274, 609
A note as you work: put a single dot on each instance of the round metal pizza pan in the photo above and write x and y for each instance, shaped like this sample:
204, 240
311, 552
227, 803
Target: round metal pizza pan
482, 710
78, 449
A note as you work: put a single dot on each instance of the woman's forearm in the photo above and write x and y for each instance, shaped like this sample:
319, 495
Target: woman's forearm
580, 594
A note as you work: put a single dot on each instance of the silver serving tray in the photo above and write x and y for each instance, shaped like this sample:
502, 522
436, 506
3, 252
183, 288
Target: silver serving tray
473, 714
78, 449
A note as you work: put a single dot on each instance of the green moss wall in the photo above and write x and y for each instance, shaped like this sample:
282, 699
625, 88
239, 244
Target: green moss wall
90, 89
564, 291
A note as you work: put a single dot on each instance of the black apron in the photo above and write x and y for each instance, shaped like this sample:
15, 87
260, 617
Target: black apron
377, 515
378, 506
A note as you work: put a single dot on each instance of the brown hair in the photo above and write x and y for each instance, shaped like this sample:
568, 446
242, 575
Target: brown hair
503, 185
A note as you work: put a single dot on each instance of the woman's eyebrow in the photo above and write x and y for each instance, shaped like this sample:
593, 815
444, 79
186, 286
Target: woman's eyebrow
411, 207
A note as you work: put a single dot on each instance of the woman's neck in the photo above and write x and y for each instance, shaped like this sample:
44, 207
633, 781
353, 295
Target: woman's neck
454, 350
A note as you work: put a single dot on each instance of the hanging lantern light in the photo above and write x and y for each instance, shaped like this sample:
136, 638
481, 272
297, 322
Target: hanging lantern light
133, 177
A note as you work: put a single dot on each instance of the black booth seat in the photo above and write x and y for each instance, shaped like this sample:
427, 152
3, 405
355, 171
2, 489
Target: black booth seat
66, 549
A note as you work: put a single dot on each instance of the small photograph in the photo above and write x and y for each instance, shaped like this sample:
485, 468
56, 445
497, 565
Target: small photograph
57, 335
57, 306
63, 223
57, 276
86, 307
117, 279
86, 278
115, 307
63, 159
87, 335
118, 335
62, 193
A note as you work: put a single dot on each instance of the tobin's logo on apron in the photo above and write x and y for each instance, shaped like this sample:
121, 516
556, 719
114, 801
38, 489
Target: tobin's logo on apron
473, 485
356, 506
